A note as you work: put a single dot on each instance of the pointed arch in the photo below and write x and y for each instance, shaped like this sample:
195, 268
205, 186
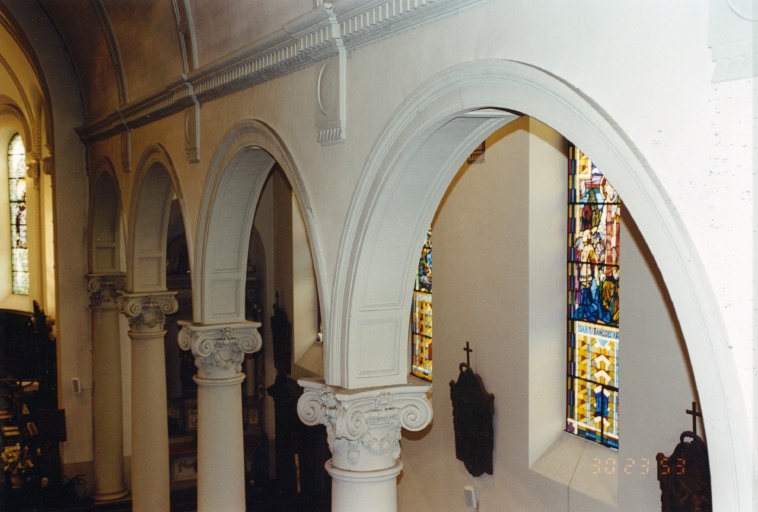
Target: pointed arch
237, 174
413, 163
155, 184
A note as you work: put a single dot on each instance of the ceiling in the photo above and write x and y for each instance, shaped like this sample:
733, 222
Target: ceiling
124, 50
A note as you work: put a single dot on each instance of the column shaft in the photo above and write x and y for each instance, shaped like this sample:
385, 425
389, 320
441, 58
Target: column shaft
220, 450
107, 395
150, 461
219, 351
367, 491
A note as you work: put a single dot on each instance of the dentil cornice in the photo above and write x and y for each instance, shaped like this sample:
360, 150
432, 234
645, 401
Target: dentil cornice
363, 426
329, 28
220, 349
147, 311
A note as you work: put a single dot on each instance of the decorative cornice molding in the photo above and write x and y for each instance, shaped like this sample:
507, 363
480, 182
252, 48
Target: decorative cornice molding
220, 349
303, 41
104, 288
147, 311
363, 426
362, 22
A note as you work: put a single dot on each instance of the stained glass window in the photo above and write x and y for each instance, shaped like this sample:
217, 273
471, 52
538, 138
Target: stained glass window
421, 314
594, 211
17, 195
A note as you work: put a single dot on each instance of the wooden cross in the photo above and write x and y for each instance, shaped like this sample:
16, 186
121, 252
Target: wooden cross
468, 353
695, 416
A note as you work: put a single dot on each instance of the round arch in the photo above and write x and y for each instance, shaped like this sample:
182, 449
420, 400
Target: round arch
425, 143
155, 184
237, 175
104, 220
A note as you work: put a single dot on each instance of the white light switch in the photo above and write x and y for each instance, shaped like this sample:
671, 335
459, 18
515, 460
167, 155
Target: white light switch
76, 385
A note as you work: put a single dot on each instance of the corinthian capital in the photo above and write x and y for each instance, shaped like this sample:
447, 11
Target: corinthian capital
103, 289
363, 426
147, 311
220, 349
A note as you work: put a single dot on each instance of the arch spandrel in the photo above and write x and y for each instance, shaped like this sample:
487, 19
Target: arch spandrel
235, 181
369, 321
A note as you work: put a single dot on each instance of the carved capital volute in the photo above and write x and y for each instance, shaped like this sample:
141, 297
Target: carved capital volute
220, 349
147, 311
363, 426
103, 289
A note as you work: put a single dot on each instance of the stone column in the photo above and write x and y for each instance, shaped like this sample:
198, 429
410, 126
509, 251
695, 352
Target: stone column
150, 465
107, 412
219, 351
363, 428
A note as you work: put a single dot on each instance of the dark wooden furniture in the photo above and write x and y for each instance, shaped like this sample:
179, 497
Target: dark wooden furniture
473, 412
685, 475
301, 451
29, 414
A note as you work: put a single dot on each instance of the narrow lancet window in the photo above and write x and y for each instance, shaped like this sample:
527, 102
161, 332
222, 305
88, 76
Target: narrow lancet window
421, 315
17, 196
594, 211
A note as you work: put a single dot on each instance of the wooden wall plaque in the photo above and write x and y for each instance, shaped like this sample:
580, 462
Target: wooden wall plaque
473, 412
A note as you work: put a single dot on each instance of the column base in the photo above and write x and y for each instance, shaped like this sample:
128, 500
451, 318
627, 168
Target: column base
367, 491
104, 496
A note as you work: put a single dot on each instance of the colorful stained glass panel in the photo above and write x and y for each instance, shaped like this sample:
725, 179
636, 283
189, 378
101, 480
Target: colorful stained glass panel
17, 197
421, 315
594, 211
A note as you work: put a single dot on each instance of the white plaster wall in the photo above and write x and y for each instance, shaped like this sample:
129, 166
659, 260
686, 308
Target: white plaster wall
645, 64
70, 188
499, 264
20, 89
669, 44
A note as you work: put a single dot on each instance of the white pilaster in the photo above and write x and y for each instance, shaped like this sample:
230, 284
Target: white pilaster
363, 428
219, 351
106, 383
150, 465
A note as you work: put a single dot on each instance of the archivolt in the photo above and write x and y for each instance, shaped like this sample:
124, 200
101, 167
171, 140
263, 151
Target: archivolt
237, 174
384, 231
154, 185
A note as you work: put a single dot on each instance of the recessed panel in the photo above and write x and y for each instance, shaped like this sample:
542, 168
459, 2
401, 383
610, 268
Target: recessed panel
379, 341
105, 259
152, 273
224, 298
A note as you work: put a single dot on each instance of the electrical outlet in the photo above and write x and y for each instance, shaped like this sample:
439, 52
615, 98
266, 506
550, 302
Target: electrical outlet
76, 385
470, 494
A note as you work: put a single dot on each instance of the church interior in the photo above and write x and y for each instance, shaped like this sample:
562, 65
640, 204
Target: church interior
217, 277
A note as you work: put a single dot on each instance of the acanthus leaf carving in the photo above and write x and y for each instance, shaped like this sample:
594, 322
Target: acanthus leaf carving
220, 349
365, 424
147, 312
104, 288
